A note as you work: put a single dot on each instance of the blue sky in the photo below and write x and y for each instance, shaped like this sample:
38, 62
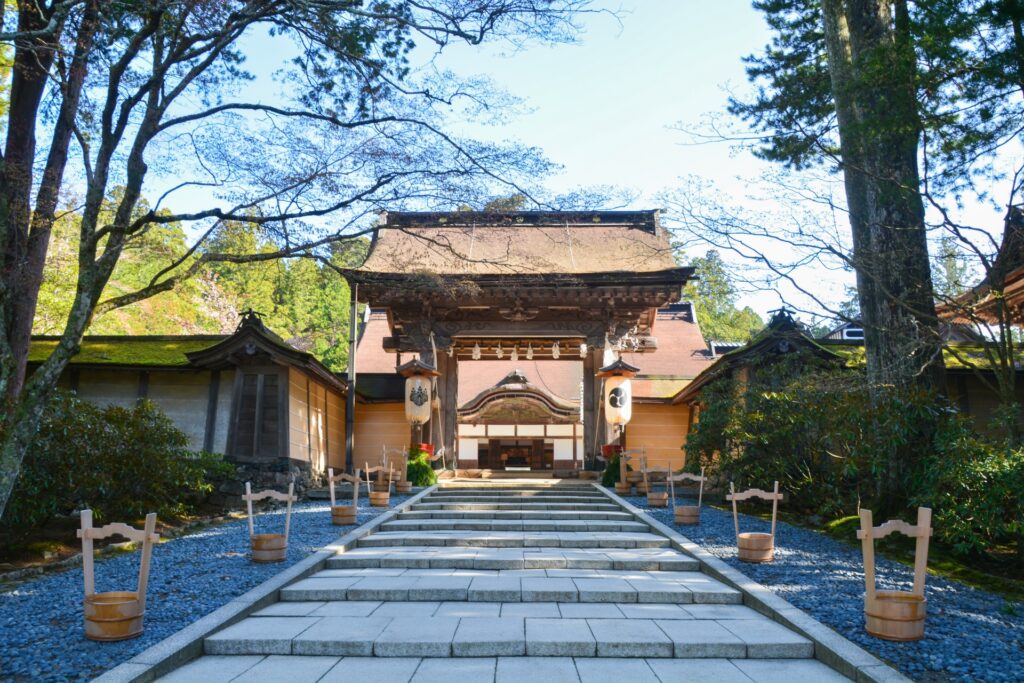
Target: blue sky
604, 108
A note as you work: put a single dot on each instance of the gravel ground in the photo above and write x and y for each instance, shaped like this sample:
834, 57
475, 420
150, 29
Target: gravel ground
970, 635
41, 620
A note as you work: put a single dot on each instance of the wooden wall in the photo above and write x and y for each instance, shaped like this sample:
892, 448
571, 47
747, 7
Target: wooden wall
377, 425
316, 422
661, 430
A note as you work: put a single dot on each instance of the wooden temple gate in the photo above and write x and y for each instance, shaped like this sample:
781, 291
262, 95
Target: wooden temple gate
547, 293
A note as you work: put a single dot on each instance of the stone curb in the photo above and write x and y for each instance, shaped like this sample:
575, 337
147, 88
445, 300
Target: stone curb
187, 644
830, 647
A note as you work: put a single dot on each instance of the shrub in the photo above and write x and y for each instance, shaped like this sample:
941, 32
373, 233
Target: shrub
420, 470
120, 462
976, 492
829, 440
611, 470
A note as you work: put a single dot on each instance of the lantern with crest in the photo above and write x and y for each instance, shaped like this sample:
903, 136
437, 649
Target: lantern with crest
418, 380
618, 391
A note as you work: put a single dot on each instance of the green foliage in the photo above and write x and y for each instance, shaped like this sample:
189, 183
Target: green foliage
611, 470
975, 491
714, 297
120, 462
967, 80
830, 441
304, 300
420, 471
818, 430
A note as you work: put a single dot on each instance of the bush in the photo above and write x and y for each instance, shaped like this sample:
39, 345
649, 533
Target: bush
976, 492
120, 462
420, 470
611, 470
830, 441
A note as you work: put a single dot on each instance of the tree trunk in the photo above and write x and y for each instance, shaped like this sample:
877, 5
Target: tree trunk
872, 67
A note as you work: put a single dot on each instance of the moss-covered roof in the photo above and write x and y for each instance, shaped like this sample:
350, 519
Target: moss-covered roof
158, 351
963, 356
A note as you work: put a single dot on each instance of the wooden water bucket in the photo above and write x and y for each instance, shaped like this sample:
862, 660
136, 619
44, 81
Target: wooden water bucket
896, 615
116, 615
403, 487
634, 477
642, 489
343, 515
755, 547
657, 499
623, 488
269, 547
688, 514
380, 490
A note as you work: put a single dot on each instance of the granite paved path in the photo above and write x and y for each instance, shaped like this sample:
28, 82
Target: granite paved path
486, 582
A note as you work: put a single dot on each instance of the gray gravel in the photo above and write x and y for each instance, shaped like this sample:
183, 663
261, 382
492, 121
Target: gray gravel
41, 620
970, 635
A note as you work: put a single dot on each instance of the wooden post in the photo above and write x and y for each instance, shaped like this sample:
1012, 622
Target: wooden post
350, 393
589, 410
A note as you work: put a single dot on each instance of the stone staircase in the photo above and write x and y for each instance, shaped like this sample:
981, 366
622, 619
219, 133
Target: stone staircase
506, 581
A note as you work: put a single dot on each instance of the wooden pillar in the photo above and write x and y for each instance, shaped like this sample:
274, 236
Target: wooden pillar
589, 408
448, 387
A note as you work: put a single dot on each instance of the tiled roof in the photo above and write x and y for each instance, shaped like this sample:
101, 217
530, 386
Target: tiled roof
681, 352
572, 243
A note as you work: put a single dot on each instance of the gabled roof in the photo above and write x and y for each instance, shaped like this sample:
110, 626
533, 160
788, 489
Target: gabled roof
519, 243
252, 337
515, 396
782, 335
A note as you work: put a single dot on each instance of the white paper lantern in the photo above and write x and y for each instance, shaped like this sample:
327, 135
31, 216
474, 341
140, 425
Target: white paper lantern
417, 399
618, 400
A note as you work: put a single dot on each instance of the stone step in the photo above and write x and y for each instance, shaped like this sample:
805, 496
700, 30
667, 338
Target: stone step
610, 507
328, 669
514, 514
526, 586
400, 634
544, 500
436, 557
514, 539
600, 525
533, 493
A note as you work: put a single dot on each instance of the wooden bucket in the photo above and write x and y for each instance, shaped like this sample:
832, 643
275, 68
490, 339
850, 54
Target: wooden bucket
623, 488
687, 514
113, 616
380, 499
657, 499
641, 489
382, 487
896, 615
634, 477
269, 547
403, 487
343, 515
755, 547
